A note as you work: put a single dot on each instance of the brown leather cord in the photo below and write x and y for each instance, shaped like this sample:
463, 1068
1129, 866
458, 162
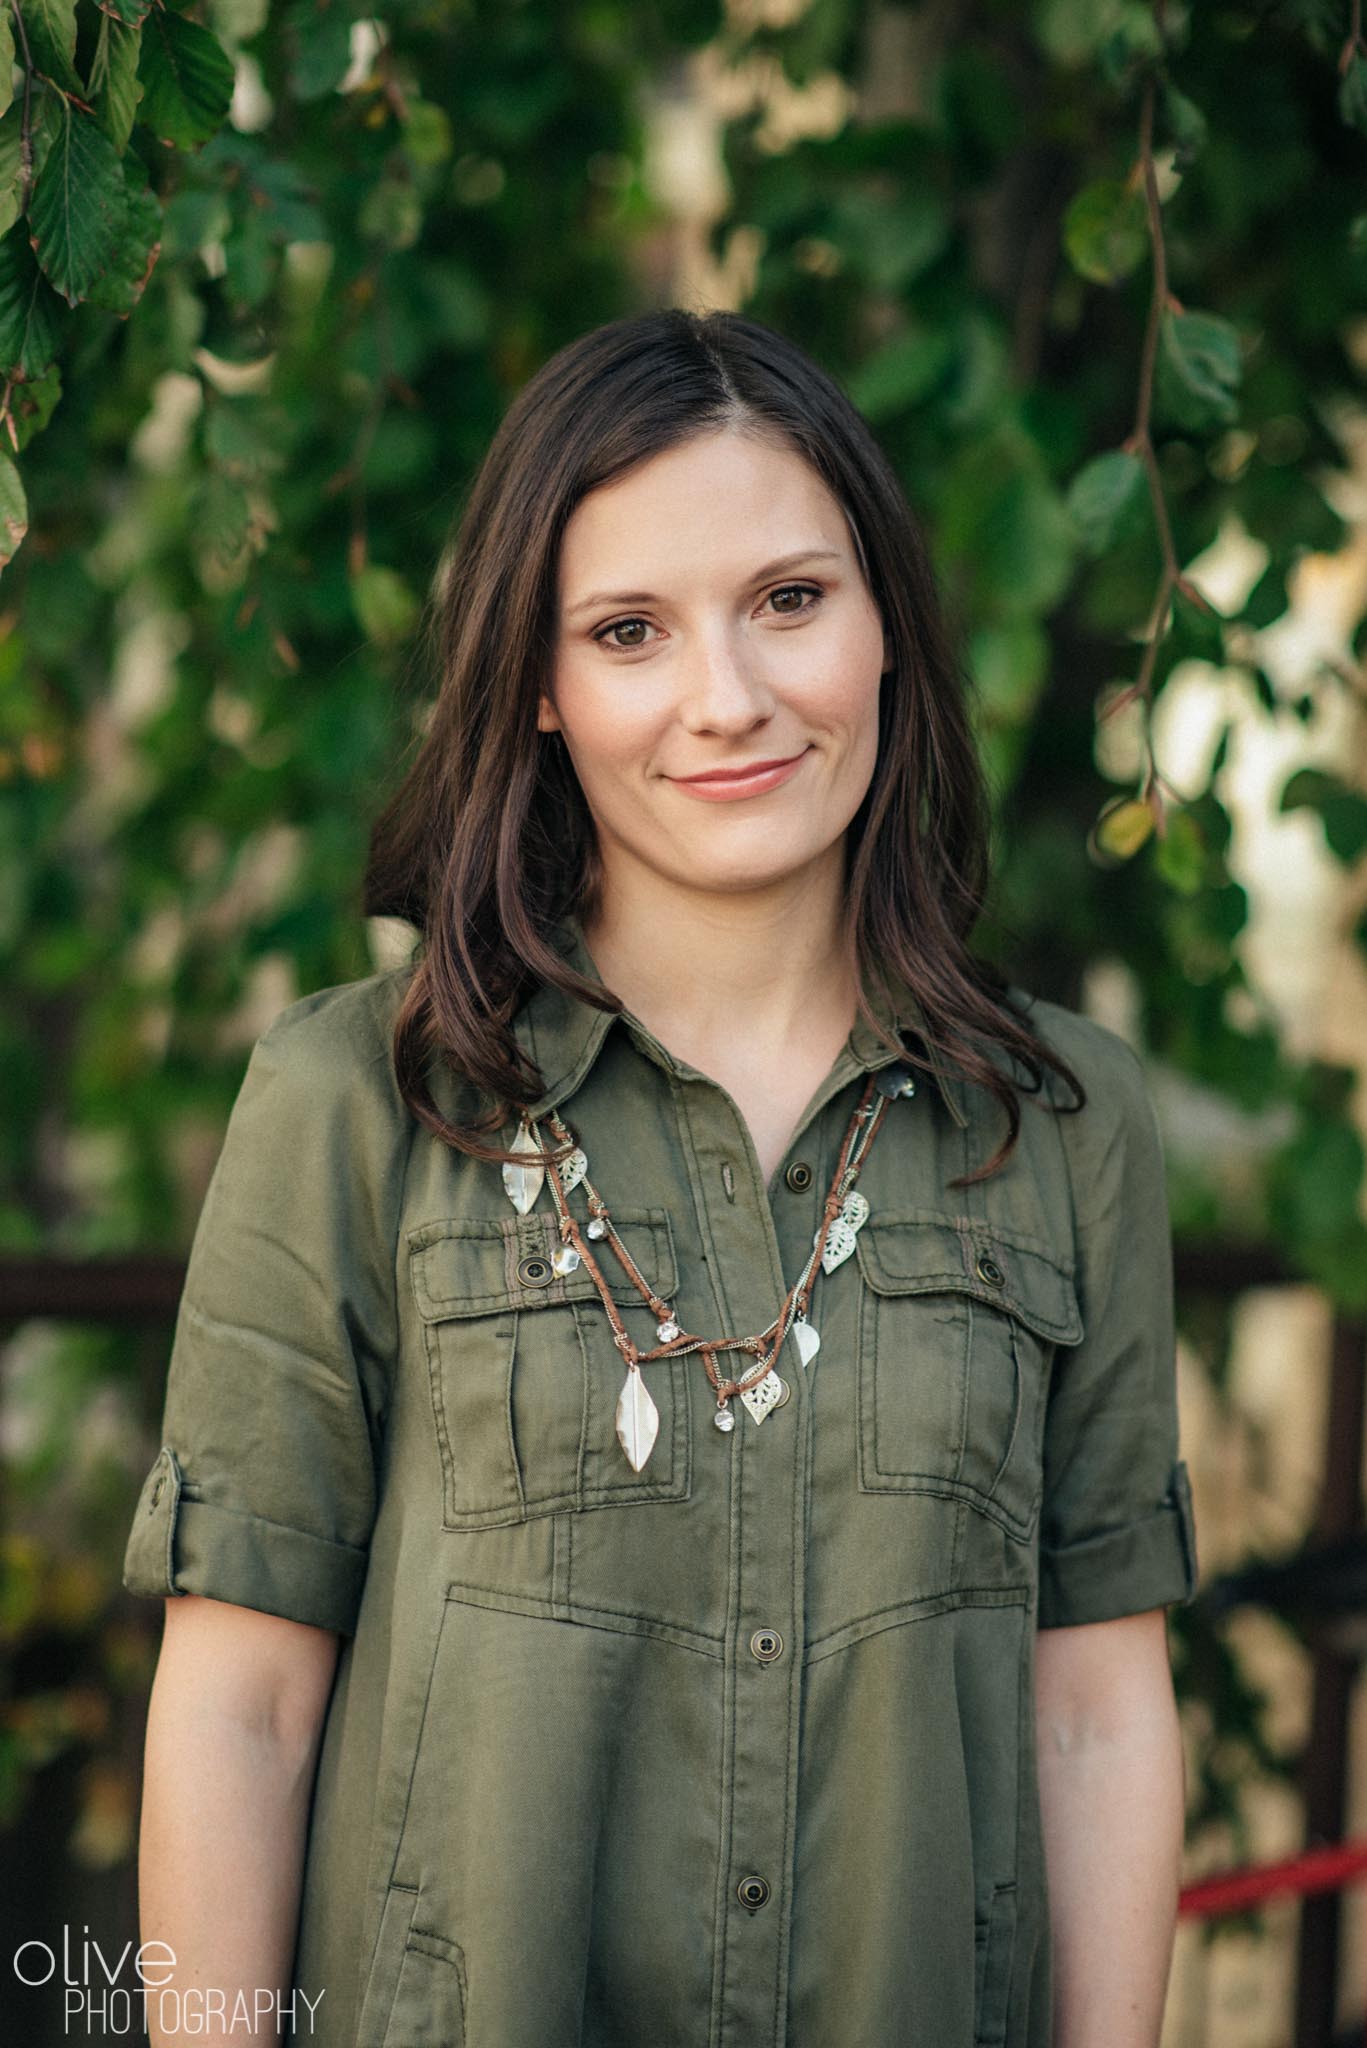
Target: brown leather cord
795, 1302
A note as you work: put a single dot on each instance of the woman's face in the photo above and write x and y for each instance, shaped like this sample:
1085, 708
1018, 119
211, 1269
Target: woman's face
716, 666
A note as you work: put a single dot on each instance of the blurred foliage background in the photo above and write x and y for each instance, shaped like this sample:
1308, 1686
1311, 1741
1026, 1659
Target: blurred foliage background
1095, 272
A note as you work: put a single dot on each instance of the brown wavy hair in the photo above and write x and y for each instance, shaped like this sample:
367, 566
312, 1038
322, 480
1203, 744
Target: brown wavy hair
486, 841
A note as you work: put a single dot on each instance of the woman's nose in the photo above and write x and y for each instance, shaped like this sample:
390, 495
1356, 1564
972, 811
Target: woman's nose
726, 690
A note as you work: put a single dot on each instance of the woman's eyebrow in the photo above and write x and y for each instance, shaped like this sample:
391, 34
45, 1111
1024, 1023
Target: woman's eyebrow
775, 568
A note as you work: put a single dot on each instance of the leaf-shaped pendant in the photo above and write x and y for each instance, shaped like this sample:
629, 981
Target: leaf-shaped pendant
764, 1395
638, 1419
839, 1244
807, 1339
574, 1169
854, 1214
523, 1183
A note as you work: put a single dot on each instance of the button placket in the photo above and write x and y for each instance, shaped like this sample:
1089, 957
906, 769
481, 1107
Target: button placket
757, 1246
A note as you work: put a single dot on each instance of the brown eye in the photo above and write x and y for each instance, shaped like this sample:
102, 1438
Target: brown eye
618, 626
800, 590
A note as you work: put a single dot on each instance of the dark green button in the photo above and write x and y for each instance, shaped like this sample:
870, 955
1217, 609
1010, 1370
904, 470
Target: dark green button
534, 1270
990, 1271
799, 1176
752, 1892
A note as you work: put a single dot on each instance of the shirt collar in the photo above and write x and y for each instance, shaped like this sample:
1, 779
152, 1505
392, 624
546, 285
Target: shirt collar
565, 1035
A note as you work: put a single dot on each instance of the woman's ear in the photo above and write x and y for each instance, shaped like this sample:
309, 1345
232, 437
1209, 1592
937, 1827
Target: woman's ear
546, 718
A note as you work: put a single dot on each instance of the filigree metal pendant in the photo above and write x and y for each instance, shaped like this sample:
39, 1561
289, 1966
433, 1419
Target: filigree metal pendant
764, 1395
854, 1213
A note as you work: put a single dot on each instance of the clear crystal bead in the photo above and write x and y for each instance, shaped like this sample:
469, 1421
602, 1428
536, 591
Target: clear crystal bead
724, 1419
667, 1331
564, 1259
597, 1227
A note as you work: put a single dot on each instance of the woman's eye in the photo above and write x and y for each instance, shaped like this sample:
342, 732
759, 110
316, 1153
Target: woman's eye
801, 590
618, 626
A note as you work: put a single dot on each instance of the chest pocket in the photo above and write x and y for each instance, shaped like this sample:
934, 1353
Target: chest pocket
525, 1376
957, 1330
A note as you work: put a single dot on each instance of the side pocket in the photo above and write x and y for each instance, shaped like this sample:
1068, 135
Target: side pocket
995, 1939
415, 1993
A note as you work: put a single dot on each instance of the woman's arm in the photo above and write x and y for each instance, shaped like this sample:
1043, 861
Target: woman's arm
1112, 1797
233, 1729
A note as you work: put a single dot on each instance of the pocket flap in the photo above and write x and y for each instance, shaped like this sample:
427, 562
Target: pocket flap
903, 1255
475, 1266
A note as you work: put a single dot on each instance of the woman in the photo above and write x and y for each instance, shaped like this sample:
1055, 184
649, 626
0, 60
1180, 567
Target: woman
543, 1710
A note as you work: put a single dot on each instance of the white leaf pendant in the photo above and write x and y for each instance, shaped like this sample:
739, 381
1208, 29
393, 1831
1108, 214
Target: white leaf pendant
807, 1339
523, 1183
574, 1169
638, 1419
764, 1395
854, 1213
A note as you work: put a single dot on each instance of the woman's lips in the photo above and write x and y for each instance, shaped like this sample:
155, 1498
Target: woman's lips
725, 788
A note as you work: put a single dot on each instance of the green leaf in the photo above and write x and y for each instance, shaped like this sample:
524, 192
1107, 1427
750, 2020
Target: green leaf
77, 207
6, 60
1199, 369
385, 606
50, 29
114, 85
187, 79
1186, 125
11, 166
1010, 662
1353, 93
33, 403
320, 37
1314, 1186
1002, 522
1267, 600
391, 212
31, 314
129, 12
1071, 31
1137, 41
1343, 811
427, 137
1105, 231
901, 373
1180, 855
1107, 498
122, 284
1122, 826
13, 510
1197, 628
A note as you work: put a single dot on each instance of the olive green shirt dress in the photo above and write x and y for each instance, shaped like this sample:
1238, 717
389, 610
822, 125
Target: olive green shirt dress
737, 1749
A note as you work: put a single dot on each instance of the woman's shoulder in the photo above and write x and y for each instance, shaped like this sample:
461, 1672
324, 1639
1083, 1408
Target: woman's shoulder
337, 1032
1112, 1072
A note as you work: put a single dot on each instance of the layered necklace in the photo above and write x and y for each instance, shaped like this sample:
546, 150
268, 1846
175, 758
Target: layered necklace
759, 1387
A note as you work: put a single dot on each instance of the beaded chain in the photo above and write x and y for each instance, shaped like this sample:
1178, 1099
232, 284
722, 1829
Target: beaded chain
842, 1215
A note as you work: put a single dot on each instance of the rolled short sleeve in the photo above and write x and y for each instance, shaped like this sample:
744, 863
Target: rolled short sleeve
264, 1489
1117, 1531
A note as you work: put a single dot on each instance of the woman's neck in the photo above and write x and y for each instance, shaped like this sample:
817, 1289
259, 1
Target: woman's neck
730, 981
